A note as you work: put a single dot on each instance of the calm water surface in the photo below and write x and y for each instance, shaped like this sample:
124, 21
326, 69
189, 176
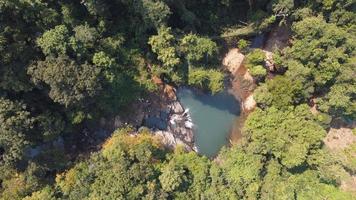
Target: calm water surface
213, 117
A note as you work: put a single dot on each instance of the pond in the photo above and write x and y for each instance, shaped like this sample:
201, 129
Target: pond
213, 117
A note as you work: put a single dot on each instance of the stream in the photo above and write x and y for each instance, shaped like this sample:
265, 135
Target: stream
213, 117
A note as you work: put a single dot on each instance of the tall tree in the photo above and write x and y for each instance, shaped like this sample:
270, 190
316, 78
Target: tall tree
15, 126
163, 45
69, 83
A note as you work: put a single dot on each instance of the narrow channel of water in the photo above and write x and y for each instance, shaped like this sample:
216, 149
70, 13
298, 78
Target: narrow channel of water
213, 117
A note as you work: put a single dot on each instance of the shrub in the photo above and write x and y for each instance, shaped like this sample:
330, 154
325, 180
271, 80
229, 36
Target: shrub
212, 80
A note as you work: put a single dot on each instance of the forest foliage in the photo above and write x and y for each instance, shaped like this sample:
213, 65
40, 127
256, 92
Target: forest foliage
65, 64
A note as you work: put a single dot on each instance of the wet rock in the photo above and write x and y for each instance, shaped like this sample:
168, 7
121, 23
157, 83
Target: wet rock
173, 126
176, 107
181, 126
155, 122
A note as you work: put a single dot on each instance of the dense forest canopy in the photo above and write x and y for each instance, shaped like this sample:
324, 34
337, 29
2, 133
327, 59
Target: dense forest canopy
65, 64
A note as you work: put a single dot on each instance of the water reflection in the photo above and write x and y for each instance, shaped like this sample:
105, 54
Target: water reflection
213, 117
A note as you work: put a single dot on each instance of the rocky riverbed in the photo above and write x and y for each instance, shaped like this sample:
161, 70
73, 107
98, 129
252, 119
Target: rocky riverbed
162, 113
179, 130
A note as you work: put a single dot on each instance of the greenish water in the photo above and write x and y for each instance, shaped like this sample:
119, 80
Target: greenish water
213, 117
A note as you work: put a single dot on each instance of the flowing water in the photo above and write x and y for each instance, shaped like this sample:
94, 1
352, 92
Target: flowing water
213, 117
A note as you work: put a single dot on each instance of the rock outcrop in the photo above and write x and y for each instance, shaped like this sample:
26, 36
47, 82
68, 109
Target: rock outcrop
166, 117
278, 38
242, 82
233, 60
179, 130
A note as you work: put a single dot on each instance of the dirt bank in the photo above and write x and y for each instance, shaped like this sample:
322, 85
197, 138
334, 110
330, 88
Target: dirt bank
242, 83
242, 86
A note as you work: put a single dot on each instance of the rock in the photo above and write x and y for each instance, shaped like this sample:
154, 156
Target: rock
139, 118
177, 132
189, 136
249, 103
176, 107
163, 115
178, 128
269, 63
233, 60
278, 38
170, 92
117, 122
181, 143
169, 140
142, 129
155, 122
338, 139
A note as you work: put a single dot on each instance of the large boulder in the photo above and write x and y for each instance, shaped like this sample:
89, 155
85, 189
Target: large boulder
233, 60
249, 103
176, 107
170, 140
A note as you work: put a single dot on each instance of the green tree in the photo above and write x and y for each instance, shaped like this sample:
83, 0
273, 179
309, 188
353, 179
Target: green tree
211, 79
101, 59
258, 71
254, 62
322, 47
242, 171
288, 136
49, 126
172, 178
86, 35
340, 100
15, 127
196, 170
243, 45
55, 41
280, 92
97, 8
195, 48
282, 7
14, 57
163, 45
154, 13
45, 193
124, 161
69, 82
75, 183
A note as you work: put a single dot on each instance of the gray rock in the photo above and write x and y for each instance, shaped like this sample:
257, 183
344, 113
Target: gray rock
173, 125
117, 122
169, 140
176, 107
